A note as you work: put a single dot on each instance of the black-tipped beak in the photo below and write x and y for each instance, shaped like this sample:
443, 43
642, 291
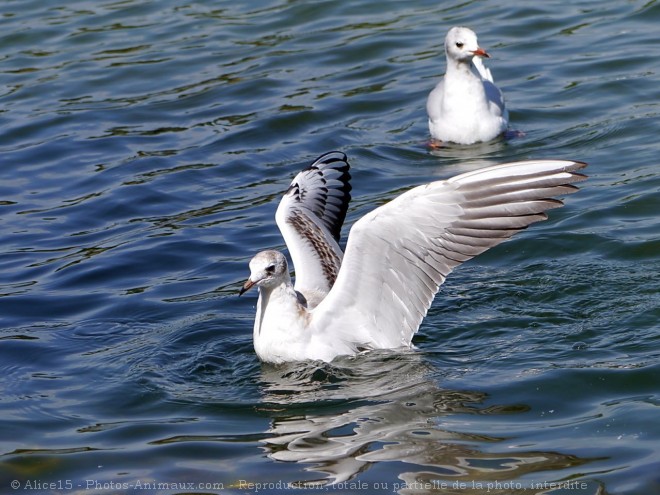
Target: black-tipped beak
246, 287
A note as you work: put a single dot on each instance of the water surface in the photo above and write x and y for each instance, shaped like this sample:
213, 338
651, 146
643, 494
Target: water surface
145, 146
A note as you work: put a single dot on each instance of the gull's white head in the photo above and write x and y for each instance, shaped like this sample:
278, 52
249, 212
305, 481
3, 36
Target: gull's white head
461, 45
267, 270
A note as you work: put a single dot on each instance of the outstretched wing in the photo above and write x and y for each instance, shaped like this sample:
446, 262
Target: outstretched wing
398, 255
310, 217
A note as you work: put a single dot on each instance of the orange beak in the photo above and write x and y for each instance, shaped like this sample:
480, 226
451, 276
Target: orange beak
480, 52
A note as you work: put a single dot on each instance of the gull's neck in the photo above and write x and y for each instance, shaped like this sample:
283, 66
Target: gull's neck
276, 300
459, 66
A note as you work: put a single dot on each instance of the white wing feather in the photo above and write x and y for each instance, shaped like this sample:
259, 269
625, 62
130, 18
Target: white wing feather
493, 94
398, 255
483, 71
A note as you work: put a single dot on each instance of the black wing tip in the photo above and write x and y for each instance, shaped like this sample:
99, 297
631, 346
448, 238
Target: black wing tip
335, 160
332, 184
331, 159
334, 155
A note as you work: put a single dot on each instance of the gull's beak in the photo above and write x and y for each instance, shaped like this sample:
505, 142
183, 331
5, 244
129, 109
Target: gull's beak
480, 52
246, 287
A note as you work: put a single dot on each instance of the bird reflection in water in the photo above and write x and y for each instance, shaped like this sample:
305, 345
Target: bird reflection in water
342, 418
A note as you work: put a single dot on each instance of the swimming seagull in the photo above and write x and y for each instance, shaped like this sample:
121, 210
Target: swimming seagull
375, 295
466, 107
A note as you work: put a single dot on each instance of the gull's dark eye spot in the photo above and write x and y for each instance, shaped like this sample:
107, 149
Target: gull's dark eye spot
270, 269
459, 44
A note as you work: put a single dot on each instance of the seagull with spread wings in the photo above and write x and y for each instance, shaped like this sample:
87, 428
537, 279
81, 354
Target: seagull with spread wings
376, 294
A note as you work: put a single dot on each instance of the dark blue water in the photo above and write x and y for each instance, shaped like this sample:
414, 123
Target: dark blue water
144, 148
